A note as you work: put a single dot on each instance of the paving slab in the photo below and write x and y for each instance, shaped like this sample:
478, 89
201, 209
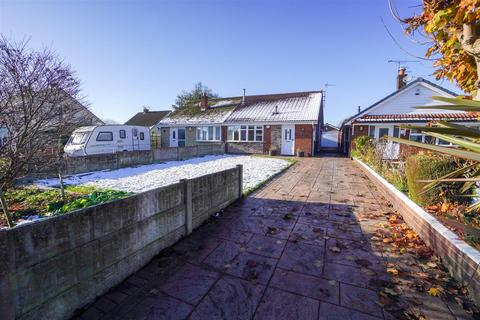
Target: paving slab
298, 248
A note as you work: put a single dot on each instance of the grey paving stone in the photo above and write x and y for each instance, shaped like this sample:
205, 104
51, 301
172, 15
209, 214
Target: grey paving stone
303, 258
222, 257
360, 299
230, 298
252, 267
278, 304
308, 234
333, 312
266, 246
313, 287
190, 283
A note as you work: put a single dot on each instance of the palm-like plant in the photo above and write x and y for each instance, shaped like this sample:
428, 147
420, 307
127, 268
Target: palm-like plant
467, 139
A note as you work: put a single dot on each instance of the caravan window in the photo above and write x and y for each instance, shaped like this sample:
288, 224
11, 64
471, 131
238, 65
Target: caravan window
105, 136
142, 136
123, 134
79, 137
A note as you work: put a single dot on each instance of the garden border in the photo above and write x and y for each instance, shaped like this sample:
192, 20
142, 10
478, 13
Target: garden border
462, 260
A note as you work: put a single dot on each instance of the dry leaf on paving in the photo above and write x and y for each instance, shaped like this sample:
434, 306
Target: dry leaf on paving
434, 292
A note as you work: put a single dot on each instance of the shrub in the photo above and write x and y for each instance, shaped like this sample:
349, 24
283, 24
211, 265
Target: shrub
431, 167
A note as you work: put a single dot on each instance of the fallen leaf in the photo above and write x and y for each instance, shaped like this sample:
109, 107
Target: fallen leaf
392, 271
434, 292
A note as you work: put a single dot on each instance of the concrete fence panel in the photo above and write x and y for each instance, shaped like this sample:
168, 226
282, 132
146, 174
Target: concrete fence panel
52, 267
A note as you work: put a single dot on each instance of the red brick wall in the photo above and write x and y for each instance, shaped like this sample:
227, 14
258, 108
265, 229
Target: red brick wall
224, 133
304, 138
267, 139
358, 131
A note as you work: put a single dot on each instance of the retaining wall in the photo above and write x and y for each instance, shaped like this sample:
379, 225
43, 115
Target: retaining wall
51, 267
462, 260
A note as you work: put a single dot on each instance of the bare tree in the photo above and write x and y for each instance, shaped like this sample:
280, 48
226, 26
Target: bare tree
36, 91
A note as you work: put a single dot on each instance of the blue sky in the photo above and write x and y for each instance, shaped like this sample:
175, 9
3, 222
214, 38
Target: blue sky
134, 53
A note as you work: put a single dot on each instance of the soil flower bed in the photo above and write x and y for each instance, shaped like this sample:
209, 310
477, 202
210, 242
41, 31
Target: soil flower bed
28, 204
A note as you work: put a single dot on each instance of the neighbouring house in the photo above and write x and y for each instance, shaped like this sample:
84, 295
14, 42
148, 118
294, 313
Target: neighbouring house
284, 123
385, 117
147, 118
329, 139
72, 115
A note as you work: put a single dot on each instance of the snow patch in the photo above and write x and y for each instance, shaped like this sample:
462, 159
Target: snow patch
147, 177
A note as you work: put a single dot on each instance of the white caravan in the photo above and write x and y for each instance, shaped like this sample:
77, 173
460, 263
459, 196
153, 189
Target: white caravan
107, 139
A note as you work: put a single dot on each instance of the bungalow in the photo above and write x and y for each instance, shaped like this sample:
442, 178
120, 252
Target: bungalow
147, 118
385, 117
286, 123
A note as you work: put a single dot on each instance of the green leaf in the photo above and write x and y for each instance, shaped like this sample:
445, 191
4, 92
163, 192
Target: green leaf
465, 131
455, 108
458, 101
450, 151
458, 141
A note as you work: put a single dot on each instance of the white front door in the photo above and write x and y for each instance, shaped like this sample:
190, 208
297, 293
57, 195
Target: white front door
174, 137
288, 140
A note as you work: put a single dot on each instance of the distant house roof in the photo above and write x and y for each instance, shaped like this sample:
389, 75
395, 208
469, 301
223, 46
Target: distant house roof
192, 115
147, 118
419, 117
411, 84
271, 108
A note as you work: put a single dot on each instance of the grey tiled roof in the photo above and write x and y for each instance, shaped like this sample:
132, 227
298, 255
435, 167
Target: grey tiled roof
283, 107
303, 106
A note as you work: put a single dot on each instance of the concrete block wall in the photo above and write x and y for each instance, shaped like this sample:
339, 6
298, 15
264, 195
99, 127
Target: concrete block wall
52, 267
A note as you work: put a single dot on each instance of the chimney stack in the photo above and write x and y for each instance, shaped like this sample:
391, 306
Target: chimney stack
401, 75
145, 109
359, 109
243, 98
204, 102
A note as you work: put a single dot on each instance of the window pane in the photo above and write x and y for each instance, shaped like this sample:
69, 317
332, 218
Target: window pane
259, 133
371, 131
142, 136
382, 132
416, 137
123, 134
396, 132
181, 134
105, 136
243, 135
429, 139
230, 133
217, 133
251, 133
199, 133
210, 133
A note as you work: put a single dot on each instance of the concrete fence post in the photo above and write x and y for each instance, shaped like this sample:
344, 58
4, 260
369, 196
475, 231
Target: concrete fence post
188, 205
240, 180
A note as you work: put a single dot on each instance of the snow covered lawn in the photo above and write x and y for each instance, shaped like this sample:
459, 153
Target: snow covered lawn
143, 178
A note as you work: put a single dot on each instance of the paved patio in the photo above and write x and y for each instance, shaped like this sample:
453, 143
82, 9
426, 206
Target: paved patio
299, 248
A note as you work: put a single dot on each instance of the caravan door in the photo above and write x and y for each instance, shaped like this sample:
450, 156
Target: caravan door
135, 140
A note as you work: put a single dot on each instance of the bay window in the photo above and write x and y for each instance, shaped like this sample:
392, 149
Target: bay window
209, 133
245, 133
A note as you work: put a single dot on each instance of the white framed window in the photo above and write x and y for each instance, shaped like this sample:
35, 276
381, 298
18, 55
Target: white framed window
209, 133
245, 133
416, 135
